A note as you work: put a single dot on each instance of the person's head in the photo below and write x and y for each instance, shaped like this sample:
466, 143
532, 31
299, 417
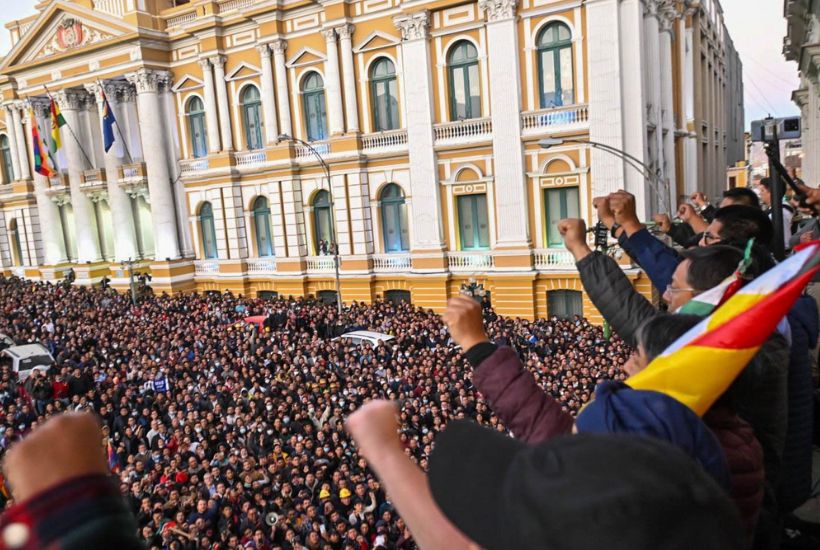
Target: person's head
736, 224
740, 195
765, 188
654, 336
701, 269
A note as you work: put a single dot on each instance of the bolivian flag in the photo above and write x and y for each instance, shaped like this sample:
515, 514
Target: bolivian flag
42, 164
57, 122
701, 365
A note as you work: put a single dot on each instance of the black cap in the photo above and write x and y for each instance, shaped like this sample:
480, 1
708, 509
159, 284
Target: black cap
575, 492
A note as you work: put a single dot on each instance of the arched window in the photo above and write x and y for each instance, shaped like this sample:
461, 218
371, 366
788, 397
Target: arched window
195, 112
252, 116
322, 222
555, 67
7, 166
206, 225
465, 87
17, 249
313, 100
394, 219
261, 222
473, 223
384, 95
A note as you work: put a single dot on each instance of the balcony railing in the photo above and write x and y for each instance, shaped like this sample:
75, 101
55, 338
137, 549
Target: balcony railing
188, 167
111, 7
181, 19
261, 266
533, 121
134, 170
60, 180
384, 140
321, 264
553, 258
304, 152
235, 5
206, 267
392, 262
463, 130
250, 158
93, 178
470, 261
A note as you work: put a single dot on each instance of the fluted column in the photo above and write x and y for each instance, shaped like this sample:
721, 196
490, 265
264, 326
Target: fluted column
125, 236
282, 96
418, 102
668, 17
19, 134
333, 89
155, 150
222, 102
85, 220
211, 118
12, 135
268, 102
351, 107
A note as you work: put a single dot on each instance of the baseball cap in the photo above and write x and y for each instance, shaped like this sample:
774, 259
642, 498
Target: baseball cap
614, 491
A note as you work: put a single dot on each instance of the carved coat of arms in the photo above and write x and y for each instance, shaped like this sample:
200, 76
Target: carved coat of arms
69, 34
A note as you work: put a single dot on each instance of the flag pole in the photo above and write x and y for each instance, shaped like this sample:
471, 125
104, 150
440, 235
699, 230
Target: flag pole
119, 130
79, 144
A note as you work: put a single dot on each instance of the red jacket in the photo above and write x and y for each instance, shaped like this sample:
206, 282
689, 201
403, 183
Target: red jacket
534, 416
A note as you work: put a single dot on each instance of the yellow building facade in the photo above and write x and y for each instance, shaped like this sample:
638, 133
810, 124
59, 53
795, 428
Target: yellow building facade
427, 117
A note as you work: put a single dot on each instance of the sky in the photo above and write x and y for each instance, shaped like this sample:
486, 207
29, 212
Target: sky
756, 26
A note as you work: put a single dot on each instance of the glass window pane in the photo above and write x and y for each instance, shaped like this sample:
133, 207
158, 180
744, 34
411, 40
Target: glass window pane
198, 145
567, 92
482, 218
393, 104
459, 94
554, 200
466, 222
573, 207
475, 92
263, 240
547, 62
392, 228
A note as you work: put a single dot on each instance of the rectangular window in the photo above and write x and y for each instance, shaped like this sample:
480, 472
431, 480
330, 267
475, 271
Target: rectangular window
564, 304
473, 222
561, 203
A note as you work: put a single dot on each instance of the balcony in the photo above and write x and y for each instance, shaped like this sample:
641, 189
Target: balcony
111, 7
547, 259
556, 119
192, 166
464, 131
384, 141
392, 263
261, 266
180, 19
250, 158
320, 264
206, 267
303, 152
231, 5
135, 170
470, 261
93, 180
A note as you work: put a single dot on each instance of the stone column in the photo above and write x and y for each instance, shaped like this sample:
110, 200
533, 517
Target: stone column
294, 213
222, 101
51, 228
282, 95
668, 17
333, 89
505, 107
211, 119
12, 135
418, 107
351, 107
125, 236
85, 220
690, 143
155, 150
652, 74
268, 101
20, 137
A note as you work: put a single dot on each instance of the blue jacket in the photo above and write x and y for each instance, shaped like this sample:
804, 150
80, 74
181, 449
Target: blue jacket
658, 260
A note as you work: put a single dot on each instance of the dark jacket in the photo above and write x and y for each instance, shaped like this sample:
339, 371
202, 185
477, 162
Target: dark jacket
795, 480
658, 260
760, 392
534, 416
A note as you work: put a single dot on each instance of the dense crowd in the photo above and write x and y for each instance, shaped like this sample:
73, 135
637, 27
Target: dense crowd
229, 435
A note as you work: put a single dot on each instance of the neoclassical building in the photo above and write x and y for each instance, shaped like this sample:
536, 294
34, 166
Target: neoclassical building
427, 114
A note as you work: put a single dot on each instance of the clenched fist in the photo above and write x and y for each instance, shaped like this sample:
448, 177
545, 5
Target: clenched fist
465, 322
663, 222
699, 199
623, 207
605, 215
574, 232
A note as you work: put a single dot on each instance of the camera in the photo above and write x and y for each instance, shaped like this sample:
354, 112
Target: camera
770, 129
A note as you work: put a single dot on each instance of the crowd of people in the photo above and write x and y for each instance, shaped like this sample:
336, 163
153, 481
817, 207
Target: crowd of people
224, 434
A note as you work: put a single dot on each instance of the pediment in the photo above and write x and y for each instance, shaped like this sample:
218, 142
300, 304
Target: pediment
64, 27
306, 56
376, 41
243, 70
186, 82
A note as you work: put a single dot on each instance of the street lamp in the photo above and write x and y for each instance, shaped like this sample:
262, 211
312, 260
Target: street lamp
286, 137
652, 176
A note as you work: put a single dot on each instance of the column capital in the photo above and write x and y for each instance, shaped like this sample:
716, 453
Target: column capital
205, 63
415, 26
95, 89
498, 10
345, 32
668, 14
329, 34
650, 8
279, 46
149, 81
218, 61
263, 49
124, 92
70, 100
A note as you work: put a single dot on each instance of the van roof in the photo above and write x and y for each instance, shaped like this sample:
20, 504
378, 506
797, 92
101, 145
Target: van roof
26, 351
368, 334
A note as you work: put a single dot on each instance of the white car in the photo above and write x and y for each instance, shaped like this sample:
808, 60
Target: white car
28, 358
6, 341
359, 337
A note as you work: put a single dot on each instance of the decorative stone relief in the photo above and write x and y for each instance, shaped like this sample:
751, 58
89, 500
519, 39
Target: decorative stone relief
498, 10
72, 33
415, 26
